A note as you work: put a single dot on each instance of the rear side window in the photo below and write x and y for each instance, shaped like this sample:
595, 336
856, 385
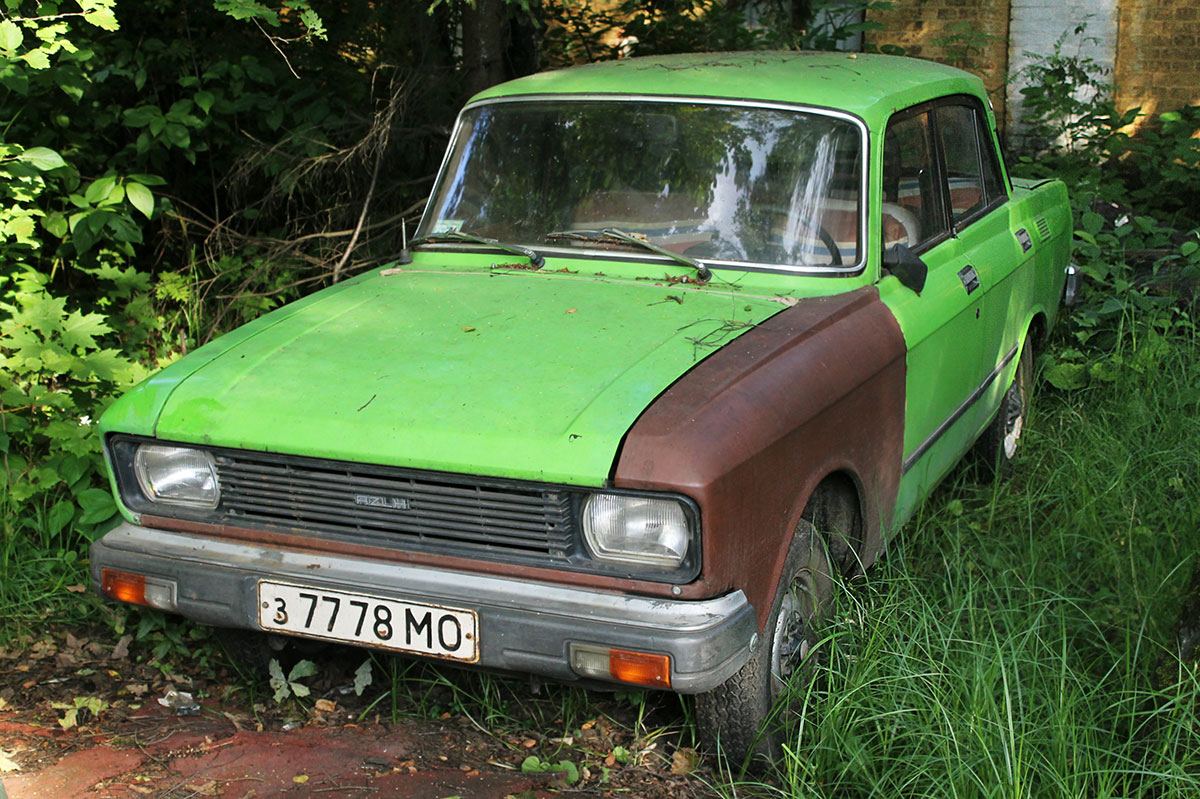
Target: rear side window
972, 172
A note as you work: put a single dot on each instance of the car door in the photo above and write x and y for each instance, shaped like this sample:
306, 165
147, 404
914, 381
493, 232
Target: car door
981, 221
943, 325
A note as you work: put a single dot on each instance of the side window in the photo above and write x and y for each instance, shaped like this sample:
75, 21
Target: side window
971, 169
912, 208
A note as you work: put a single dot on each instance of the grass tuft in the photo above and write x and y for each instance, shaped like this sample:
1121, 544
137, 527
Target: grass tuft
1019, 640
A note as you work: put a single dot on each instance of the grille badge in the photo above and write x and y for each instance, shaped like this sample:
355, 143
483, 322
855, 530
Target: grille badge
373, 501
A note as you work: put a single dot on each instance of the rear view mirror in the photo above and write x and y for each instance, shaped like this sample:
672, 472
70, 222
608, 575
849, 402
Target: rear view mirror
906, 265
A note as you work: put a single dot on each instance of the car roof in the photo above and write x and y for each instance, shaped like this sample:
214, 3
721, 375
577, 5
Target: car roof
867, 85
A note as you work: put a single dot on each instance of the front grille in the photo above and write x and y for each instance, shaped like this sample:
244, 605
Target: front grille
395, 508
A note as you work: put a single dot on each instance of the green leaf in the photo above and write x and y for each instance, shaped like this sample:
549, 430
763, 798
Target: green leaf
110, 366
99, 189
72, 82
178, 135
278, 682
1067, 376
79, 330
148, 180
141, 116
305, 668
42, 158
204, 100
104, 19
1188, 248
55, 224
59, 516
116, 196
247, 9
140, 198
37, 59
42, 312
1092, 222
20, 228
97, 505
11, 36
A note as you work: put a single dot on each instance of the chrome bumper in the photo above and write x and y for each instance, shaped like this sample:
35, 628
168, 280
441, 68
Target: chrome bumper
524, 626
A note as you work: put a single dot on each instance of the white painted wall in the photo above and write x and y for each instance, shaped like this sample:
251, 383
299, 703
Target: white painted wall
1036, 26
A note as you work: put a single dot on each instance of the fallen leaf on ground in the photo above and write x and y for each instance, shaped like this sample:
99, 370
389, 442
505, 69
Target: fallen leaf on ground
300, 779
121, 650
77, 589
325, 706
684, 761
6, 764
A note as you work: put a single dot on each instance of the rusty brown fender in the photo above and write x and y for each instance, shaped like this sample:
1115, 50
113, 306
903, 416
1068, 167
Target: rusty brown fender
753, 429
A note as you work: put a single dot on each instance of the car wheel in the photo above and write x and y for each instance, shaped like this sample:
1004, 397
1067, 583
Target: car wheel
1001, 441
746, 716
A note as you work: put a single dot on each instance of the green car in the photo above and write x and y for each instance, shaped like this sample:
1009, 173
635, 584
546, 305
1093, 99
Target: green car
679, 339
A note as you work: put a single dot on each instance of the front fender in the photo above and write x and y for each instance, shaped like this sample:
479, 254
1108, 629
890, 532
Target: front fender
752, 430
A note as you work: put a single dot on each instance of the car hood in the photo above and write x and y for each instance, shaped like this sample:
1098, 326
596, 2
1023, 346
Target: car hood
516, 374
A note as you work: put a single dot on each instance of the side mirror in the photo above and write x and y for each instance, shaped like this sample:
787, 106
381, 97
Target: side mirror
906, 265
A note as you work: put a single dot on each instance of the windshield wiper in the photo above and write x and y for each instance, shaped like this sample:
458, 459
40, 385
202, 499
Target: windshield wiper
535, 258
702, 271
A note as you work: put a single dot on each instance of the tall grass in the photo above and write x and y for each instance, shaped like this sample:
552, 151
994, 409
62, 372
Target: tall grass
1019, 638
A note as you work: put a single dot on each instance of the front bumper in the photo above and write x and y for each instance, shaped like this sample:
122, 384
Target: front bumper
524, 626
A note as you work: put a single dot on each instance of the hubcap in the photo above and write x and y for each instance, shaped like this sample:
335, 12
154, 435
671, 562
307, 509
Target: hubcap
1016, 420
789, 644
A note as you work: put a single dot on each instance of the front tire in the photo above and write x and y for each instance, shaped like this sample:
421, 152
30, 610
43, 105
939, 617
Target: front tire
746, 715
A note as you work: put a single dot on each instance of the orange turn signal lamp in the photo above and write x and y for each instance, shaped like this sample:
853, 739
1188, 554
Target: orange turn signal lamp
153, 592
621, 665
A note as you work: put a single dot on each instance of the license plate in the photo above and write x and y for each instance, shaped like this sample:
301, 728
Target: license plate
369, 620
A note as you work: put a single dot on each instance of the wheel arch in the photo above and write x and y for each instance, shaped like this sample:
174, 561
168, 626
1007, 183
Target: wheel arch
835, 509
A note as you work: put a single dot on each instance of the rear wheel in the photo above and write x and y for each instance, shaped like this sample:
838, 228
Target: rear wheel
1001, 441
746, 715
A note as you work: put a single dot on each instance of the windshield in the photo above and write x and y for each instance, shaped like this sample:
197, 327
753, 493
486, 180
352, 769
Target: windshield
743, 184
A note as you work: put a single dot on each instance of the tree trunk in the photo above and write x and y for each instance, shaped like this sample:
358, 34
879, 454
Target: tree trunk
484, 31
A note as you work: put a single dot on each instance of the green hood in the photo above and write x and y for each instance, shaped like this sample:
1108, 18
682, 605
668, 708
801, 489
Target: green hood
517, 374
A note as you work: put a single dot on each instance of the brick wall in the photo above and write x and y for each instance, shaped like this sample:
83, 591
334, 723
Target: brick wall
1151, 46
1158, 55
971, 34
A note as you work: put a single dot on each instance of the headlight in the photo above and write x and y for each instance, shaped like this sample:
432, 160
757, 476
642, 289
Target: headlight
629, 529
177, 476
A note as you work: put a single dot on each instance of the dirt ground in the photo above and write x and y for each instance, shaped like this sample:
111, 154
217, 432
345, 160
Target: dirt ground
83, 716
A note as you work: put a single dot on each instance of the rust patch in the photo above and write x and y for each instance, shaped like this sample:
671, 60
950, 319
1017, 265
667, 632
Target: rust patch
751, 431
303, 543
